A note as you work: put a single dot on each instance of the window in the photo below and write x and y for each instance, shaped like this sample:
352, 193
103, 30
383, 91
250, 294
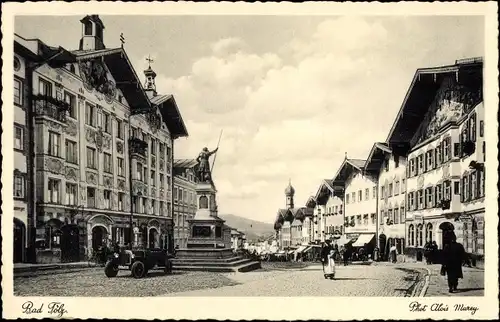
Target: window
402, 214
18, 186
106, 122
481, 183
90, 197
367, 193
365, 219
374, 191
382, 192
446, 149
411, 235
162, 180
18, 92
71, 152
139, 172
420, 196
438, 194
403, 185
153, 178
121, 201
143, 204
91, 158
145, 174
54, 186
347, 198
90, 114
429, 160
396, 215
420, 161
420, 240
429, 197
119, 129
438, 155
175, 194
428, 233
358, 219
108, 165
54, 144
71, 193
473, 185
373, 219
121, 170
396, 162
153, 206
389, 216
447, 190
396, 188
44, 87
382, 215
153, 146
135, 205
70, 99
353, 197
481, 128
107, 199
162, 208
360, 192
472, 128
465, 188
456, 188
412, 167
390, 190
18, 137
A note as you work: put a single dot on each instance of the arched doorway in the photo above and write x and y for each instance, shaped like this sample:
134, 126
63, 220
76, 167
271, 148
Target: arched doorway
19, 239
447, 229
99, 233
154, 238
70, 243
390, 243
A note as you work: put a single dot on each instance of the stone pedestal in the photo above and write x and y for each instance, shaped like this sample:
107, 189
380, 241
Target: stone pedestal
207, 250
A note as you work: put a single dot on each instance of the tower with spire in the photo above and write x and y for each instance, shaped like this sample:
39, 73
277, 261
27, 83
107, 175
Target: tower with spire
150, 86
289, 193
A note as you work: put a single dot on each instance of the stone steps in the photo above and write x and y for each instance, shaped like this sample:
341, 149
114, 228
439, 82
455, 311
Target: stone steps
229, 268
207, 263
208, 259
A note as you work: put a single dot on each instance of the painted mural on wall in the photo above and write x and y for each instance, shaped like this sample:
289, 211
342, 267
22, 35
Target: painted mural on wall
453, 100
95, 76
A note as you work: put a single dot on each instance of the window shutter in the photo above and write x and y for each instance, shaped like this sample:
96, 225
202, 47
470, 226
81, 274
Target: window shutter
473, 128
433, 197
462, 196
469, 183
433, 158
449, 148
425, 155
408, 169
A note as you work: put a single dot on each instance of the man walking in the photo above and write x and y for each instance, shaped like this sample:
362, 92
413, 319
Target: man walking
453, 256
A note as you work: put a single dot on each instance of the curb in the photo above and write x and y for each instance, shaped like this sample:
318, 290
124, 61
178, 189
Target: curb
423, 291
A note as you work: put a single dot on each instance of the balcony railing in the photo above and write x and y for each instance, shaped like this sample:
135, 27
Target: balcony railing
51, 107
138, 146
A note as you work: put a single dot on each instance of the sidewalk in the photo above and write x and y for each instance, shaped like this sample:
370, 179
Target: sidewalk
471, 285
27, 267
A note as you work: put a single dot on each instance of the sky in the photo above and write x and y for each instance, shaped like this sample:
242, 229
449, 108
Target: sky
292, 94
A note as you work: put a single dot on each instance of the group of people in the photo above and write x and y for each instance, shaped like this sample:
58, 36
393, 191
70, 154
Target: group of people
430, 252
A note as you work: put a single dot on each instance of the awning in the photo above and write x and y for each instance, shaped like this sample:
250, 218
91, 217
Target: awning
308, 248
363, 239
300, 249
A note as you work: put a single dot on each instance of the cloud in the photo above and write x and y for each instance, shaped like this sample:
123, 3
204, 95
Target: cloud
296, 114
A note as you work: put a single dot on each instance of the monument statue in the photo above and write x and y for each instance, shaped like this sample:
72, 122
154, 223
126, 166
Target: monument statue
203, 172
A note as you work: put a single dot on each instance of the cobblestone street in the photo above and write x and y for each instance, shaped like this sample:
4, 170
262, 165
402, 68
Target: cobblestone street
269, 281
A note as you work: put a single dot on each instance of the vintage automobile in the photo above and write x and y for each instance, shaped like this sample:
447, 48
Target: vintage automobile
138, 261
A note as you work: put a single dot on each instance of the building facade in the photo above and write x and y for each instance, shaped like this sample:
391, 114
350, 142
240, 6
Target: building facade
329, 212
103, 151
443, 132
184, 199
360, 202
390, 169
289, 222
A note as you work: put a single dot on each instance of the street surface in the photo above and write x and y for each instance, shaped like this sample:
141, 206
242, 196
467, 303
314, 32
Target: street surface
272, 280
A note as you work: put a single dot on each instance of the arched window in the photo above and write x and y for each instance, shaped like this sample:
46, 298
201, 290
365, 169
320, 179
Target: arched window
420, 231
88, 28
72, 68
428, 233
411, 235
203, 202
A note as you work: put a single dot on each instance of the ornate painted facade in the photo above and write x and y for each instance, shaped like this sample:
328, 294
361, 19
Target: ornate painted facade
445, 149
93, 120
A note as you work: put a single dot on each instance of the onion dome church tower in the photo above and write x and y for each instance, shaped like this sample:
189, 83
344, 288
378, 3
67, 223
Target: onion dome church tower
150, 87
289, 193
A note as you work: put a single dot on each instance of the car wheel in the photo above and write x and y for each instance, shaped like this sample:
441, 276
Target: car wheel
138, 270
111, 269
168, 267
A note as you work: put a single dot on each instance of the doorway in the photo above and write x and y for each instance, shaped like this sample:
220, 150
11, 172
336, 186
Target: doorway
70, 244
153, 238
382, 241
447, 231
19, 238
98, 235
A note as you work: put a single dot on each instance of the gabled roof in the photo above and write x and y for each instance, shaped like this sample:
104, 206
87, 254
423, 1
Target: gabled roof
38, 51
185, 163
298, 213
347, 167
324, 189
311, 202
171, 114
124, 74
377, 156
423, 88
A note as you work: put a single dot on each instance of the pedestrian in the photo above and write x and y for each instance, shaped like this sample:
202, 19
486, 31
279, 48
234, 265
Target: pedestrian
434, 253
453, 256
329, 267
325, 251
393, 251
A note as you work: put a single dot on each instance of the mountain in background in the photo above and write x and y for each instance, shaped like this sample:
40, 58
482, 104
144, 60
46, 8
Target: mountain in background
253, 229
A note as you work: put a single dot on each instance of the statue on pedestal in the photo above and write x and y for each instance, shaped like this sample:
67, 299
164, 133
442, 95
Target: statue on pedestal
203, 172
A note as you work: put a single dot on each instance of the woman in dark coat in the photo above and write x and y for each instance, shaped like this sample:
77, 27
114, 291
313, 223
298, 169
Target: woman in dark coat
453, 256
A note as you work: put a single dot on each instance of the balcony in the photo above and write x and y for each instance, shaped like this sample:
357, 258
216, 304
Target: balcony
50, 107
138, 147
